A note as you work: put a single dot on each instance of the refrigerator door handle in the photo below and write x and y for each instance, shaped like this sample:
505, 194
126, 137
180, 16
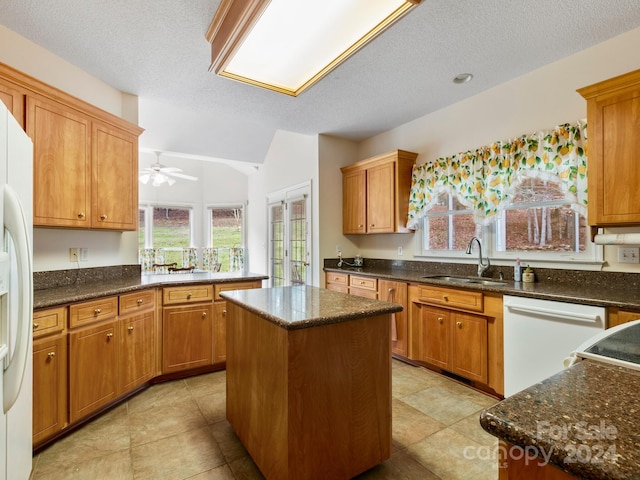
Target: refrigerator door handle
16, 226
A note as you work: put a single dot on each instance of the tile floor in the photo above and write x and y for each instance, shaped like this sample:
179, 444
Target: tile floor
177, 430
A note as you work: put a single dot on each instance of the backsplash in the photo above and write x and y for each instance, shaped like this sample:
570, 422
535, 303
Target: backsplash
552, 275
78, 276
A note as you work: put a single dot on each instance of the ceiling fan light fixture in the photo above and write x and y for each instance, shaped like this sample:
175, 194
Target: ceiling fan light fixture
281, 46
159, 174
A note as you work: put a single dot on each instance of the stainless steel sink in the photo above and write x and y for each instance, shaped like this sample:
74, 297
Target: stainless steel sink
471, 280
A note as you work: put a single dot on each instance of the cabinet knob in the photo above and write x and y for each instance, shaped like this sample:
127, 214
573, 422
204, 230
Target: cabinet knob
35, 325
224, 312
51, 355
189, 295
372, 225
130, 329
103, 217
445, 298
204, 314
139, 301
97, 311
360, 226
81, 215
361, 283
459, 324
440, 319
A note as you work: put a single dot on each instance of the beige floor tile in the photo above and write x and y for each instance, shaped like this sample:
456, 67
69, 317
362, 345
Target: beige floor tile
229, 443
219, 473
482, 399
453, 456
441, 404
177, 457
208, 383
116, 466
401, 466
243, 468
213, 406
410, 425
406, 381
470, 427
160, 394
161, 421
103, 436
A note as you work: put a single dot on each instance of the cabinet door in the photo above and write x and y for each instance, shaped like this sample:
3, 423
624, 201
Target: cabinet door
396, 292
115, 178
137, 352
13, 98
220, 332
354, 202
381, 198
469, 346
61, 166
187, 337
49, 387
435, 336
93, 369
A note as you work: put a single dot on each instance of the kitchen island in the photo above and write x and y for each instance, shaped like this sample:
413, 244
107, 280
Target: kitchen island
309, 380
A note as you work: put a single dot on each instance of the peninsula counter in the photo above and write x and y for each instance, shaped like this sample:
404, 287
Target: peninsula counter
309, 380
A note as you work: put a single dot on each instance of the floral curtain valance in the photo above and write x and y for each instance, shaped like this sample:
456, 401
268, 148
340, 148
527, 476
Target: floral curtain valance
484, 179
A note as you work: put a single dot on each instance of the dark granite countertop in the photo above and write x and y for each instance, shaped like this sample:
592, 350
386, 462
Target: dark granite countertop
77, 292
590, 288
303, 306
584, 420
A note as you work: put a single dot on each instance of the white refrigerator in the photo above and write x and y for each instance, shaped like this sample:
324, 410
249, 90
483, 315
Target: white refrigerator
16, 298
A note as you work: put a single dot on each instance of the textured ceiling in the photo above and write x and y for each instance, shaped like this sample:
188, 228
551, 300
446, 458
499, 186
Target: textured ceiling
156, 49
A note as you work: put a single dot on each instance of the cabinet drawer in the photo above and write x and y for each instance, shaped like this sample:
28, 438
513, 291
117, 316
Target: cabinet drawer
187, 294
364, 283
337, 278
466, 300
225, 287
89, 312
49, 321
137, 302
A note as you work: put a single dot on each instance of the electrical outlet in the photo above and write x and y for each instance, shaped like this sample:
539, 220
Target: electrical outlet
628, 255
84, 254
73, 255
338, 250
400, 251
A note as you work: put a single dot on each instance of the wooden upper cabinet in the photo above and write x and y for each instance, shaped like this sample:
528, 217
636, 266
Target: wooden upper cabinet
85, 159
613, 118
13, 97
115, 178
61, 169
375, 193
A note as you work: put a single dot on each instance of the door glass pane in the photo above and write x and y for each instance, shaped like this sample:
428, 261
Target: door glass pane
277, 245
298, 241
171, 231
226, 233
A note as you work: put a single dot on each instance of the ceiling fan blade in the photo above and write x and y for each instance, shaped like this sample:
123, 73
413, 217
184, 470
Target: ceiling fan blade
170, 169
182, 175
144, 178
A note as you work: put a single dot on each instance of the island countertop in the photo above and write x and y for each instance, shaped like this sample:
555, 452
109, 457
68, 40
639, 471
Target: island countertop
303, 306
584, 420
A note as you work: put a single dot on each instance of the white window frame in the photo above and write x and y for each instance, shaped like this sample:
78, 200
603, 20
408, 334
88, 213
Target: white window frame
591, 259
208, 221
148, 220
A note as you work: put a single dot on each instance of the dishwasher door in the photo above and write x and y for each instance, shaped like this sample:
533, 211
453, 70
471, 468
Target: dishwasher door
540, 334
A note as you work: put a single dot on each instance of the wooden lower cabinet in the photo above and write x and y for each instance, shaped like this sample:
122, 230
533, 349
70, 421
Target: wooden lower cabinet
49, 387
616, 316
187, 333
451, 340
93, 368
396, 292
137, 350
338, 282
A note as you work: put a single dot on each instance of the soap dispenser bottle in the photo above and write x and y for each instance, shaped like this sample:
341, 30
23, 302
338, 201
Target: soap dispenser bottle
517, 274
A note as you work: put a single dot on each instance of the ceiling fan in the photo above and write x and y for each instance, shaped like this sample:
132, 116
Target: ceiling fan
159, 174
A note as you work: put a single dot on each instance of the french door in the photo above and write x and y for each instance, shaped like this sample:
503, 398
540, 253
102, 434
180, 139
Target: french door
290, 236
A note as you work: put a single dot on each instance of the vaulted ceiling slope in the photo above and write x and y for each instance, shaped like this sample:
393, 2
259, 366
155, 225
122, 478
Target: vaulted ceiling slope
156, 49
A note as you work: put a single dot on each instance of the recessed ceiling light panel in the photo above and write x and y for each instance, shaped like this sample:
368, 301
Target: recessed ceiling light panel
462, 78
287, 45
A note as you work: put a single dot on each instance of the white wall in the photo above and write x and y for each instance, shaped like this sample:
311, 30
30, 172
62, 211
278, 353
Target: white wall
291, 159
51, 246
539, 100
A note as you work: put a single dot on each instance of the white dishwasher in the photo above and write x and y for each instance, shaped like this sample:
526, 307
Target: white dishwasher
540, 334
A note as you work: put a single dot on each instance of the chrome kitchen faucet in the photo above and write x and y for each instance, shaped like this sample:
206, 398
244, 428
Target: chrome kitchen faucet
481, 266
